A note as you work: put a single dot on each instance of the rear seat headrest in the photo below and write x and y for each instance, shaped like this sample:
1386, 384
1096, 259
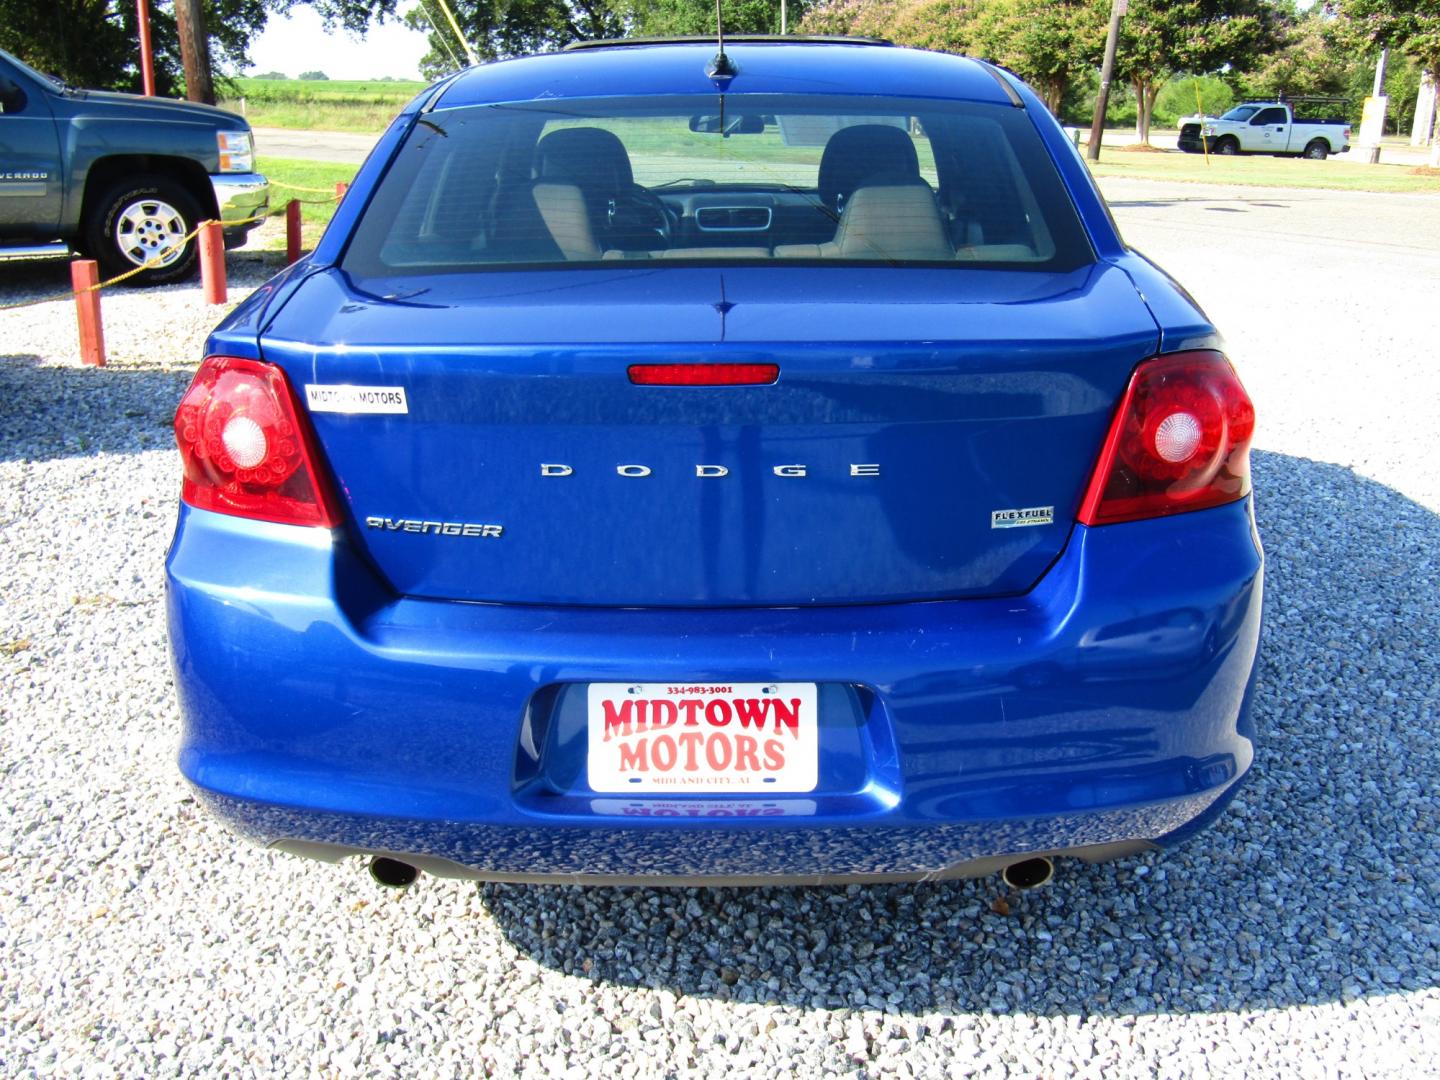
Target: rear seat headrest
865, 155
899, 222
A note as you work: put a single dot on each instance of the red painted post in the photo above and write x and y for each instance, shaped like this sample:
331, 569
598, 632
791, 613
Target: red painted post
85, 275
292, 231
340, 188
212, 262
147, 59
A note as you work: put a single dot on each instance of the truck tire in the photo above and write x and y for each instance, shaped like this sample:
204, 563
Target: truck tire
1317, 150
1228, 145
140, 219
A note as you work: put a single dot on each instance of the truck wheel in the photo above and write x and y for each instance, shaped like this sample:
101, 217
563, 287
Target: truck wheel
1228, 145
144, 219
1317, 150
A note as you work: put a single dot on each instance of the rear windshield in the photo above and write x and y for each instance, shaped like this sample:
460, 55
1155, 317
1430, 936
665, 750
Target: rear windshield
749, 178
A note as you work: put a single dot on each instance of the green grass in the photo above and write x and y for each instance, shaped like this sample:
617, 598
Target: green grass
334, 105
1261, 171
321, 176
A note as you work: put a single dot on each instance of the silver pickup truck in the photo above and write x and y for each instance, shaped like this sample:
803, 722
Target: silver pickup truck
1264, 127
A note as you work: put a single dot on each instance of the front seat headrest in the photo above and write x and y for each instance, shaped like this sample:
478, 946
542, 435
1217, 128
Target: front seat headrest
866, 155
593, 158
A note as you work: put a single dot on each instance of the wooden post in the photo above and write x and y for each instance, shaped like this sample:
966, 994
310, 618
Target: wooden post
147, 57
292, 231
85, 275
212, 262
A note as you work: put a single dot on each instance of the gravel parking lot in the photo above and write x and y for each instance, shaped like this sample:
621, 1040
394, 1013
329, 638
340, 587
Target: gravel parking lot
1299, 937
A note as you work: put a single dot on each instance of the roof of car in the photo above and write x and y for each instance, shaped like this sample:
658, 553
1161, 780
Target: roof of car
803, 66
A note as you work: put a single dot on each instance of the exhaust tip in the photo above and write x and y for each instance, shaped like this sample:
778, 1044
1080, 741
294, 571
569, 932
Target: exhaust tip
392, 873
1028, 873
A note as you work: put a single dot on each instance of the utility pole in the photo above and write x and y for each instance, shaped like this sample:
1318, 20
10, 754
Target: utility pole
147, 58
784, 18
1372, 120
1107, 71
194, 51
1424, 111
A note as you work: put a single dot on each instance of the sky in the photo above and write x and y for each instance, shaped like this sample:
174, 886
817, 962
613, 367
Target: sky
299, 42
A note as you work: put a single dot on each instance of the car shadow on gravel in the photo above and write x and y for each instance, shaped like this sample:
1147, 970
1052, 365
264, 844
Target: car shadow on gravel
1319, 884
49, 412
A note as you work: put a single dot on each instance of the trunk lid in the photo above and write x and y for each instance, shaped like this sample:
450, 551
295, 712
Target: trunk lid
919, 403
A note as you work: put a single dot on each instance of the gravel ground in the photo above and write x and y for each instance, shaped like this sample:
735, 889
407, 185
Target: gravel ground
1299, 937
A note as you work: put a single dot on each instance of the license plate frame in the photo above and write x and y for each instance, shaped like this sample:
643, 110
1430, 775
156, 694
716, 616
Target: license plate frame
711, 738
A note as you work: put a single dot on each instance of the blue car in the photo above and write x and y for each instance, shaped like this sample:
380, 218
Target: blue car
762, 467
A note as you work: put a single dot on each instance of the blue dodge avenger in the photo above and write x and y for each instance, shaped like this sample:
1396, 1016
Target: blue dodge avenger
760, 467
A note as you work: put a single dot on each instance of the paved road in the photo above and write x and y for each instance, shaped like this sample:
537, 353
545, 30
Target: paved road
346, 146
1324, 296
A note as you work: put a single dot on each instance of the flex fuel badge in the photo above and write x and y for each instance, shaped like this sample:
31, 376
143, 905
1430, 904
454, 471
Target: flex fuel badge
1017, 519
356, 399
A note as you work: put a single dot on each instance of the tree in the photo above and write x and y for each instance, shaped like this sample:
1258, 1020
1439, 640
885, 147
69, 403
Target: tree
271, 75
494, 28
668, 18
314, 76
1046, 42
94, 43
943, 25
1310, 57
1412, 26
1178, 98
1159, 38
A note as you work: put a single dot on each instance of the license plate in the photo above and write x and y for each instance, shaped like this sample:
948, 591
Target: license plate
703, 737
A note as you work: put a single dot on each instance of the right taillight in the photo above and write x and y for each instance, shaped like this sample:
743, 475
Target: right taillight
246, 449
1179, 441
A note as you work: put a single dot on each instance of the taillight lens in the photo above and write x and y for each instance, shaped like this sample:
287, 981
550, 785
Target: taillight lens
704, 374
245, 449
1179, 441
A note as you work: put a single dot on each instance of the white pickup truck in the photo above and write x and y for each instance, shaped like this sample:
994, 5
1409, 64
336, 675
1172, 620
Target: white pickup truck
1264, 127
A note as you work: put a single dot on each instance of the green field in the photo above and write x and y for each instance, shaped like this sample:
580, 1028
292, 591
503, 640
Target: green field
1339, 175
317, 204
319, 105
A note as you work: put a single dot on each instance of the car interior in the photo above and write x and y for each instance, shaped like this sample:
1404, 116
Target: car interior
542, 190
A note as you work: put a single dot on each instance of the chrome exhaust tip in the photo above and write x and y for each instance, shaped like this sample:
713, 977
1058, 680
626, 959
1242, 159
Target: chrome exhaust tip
392, 873
1028, 873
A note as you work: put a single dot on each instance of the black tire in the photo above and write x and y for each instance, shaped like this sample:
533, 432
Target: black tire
1228, 145
142, 215
1317, 150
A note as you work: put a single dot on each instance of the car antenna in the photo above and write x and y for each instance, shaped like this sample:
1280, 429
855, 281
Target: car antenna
720, 67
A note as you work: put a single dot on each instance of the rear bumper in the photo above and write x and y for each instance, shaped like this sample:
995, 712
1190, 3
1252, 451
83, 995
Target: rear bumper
1104, 711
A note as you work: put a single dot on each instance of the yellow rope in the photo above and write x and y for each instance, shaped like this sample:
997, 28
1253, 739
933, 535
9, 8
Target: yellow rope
308, 190
150, 264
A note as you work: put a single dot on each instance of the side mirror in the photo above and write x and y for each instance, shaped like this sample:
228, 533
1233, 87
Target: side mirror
12, 98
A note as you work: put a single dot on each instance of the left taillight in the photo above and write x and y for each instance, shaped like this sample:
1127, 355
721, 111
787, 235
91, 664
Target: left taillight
1179, 441
246, 449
